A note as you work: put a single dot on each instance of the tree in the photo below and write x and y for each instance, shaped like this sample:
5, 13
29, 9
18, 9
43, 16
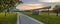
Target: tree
57, 10
6, 4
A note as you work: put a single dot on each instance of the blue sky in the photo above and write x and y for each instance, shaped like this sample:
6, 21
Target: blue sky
45, 2
38, 1
35, 2
30, 1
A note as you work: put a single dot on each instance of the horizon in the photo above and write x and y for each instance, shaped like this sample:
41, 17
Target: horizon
36, 3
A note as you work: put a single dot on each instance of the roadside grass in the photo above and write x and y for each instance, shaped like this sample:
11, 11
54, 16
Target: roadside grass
10, 18
43, 17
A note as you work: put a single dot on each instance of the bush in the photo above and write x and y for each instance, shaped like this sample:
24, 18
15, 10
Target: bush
57, 9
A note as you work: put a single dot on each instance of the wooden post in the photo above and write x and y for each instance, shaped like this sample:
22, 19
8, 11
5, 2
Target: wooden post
5, 13
48, 11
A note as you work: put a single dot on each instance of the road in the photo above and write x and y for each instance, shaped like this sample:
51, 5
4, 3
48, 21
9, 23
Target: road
24, 19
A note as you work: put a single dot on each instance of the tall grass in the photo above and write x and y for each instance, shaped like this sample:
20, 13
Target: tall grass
43, 17
10, 18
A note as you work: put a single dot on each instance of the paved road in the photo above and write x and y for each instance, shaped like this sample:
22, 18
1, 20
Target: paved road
24, 19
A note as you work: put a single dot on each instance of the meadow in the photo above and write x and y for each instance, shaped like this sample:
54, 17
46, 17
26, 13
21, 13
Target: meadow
43, 17
10, 18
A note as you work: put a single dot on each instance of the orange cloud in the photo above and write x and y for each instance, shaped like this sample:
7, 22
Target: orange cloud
29, 6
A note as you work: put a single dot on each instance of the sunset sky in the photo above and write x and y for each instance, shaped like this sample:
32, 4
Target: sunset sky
34, 4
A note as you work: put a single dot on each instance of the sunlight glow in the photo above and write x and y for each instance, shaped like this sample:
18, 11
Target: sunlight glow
29, 6
50, 0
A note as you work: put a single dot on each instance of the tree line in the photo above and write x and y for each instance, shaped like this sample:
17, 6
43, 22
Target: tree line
6, 4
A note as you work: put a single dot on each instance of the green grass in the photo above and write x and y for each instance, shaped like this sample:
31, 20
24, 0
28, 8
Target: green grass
10, 18
43, 17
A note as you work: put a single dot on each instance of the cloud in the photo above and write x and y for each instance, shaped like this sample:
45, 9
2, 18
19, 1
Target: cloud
29, 6
30, 1
49, 0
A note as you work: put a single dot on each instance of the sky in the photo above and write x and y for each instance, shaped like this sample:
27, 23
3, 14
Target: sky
45, 2
33, 4
38, 1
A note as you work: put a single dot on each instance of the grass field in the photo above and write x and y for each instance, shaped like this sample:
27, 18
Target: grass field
10, 18
43, 17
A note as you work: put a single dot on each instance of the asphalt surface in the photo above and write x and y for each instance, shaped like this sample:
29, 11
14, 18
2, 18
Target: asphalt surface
24, 19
